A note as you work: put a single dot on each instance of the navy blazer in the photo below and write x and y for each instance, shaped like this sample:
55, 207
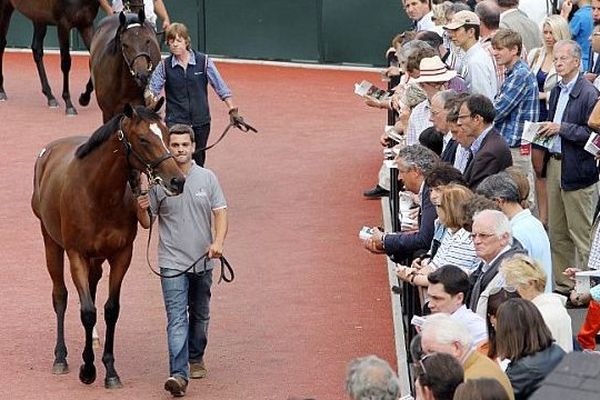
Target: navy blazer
493, 156
401, 245
449, 153
578, 169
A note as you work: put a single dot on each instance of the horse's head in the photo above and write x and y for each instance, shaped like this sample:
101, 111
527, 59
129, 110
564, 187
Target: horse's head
139, 46
144, 136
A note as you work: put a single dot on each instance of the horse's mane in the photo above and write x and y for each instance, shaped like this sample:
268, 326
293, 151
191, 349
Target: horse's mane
105, 131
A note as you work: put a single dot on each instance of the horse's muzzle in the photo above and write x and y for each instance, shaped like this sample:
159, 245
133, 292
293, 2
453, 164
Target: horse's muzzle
177, 185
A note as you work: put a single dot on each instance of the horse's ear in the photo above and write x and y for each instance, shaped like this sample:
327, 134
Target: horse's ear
122, 18
159, 104
141, 16
128, 111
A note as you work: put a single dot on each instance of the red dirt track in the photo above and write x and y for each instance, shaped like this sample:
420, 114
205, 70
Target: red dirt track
306, 299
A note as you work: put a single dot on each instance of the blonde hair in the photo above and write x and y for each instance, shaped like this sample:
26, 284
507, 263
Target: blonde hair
520, 269
452, 198
559, 27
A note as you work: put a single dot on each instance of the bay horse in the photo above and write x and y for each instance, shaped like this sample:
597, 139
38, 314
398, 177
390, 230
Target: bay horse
87, 209
65, 15
123, 54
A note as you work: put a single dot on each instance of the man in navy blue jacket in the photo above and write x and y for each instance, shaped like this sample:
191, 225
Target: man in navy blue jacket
414, 162
572, 172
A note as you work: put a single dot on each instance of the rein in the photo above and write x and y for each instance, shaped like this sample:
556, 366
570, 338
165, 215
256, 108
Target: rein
241, 125
225, 266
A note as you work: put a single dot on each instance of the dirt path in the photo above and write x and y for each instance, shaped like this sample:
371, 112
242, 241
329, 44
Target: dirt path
306, 298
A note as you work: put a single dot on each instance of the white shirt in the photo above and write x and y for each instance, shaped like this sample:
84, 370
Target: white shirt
479, 72
426, 23
473, 322
536, 10
556, 317
117, 6
418, 121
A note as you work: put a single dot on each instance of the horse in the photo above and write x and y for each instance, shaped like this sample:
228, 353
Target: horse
123, 54
66, 15
86, 208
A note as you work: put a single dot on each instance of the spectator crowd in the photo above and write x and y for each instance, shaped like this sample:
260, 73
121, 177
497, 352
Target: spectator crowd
496, 108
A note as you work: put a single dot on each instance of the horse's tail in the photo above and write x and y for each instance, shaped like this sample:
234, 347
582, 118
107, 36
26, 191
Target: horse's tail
84, 98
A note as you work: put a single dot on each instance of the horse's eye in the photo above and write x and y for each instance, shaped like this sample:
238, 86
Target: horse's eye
144, 141
147, 42
125, 46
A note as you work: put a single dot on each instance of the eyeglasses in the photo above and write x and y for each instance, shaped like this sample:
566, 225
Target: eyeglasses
463, 116
436, 85
474, 235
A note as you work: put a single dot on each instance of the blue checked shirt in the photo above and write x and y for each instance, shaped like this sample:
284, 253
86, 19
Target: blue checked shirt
516, 103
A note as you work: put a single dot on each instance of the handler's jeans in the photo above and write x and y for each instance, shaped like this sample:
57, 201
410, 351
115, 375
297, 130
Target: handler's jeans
186, 294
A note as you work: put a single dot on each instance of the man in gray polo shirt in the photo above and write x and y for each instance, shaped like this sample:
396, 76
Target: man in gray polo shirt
185, 235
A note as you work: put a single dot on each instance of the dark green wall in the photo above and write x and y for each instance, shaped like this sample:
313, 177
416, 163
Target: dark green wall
320, 31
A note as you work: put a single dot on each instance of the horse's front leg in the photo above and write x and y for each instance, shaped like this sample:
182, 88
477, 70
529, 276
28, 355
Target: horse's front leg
118, 267
80, 272
37, 49
6, 10
65, 66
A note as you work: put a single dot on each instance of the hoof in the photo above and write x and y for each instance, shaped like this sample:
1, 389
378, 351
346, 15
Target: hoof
71, 111
60, 368
3, 96
52, 103
87, 375
84, 100
113, 383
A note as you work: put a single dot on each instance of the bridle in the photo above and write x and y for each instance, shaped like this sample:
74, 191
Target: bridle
149, 166
128, 62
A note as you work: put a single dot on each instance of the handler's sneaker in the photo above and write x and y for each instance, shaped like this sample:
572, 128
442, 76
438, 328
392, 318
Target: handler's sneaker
176, 385
198, 370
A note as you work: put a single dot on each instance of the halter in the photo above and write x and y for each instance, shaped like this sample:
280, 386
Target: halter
142, 54
150, 166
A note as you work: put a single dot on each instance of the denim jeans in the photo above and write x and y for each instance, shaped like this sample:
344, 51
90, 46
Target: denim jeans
187, 300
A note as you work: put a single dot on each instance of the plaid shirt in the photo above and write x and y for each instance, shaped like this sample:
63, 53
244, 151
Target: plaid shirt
516, 102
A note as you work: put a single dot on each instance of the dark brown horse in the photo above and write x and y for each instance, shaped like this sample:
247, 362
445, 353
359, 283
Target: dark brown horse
86, 208
123, 54
66, 15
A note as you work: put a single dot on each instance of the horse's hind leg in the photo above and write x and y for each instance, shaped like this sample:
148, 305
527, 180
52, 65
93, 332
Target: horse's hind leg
80, 272
118, 268
84, 98
55, 264
6, 10
65, 66
37, 48
95, 275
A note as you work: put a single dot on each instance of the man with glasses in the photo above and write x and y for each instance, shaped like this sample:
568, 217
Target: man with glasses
443, 334
572, 172
490, 153
492, 237
477, 67
526, 228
